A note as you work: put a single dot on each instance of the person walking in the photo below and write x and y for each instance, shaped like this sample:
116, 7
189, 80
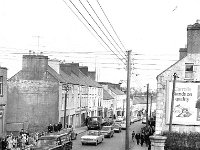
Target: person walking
133, 135
142, 139
137, 137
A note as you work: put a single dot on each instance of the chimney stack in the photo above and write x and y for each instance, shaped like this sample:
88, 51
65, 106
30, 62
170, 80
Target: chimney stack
193, 38
182, 53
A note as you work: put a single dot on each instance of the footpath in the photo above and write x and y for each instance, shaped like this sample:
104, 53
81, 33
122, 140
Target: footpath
132, 146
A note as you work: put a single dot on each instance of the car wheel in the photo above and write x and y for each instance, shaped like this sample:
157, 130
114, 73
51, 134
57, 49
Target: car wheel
83, 143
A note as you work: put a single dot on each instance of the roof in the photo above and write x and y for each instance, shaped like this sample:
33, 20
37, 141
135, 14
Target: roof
68, 78
106, 95
55, 74
116, 91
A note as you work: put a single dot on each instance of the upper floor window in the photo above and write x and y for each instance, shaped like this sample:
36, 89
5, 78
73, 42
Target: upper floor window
1, 85
189, 69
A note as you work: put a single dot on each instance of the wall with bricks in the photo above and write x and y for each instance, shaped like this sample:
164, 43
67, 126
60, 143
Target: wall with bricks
162, 92
33, 103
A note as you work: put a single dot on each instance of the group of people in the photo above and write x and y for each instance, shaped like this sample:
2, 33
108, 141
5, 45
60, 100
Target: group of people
54, 128
11, 142
143, 136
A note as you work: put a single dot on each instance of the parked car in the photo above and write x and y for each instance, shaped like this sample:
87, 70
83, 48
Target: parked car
144, 120
107, 131
120, 118
72, 132
134, 119
117, 128
118, 122
53, 142
93, 137
123, 124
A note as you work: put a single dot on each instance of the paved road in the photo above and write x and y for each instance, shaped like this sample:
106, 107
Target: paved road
117, 142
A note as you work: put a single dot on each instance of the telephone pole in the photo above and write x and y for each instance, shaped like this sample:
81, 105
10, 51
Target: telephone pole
147, 107
172, 102
128, 100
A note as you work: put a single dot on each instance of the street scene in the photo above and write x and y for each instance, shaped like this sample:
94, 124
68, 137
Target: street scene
98, 74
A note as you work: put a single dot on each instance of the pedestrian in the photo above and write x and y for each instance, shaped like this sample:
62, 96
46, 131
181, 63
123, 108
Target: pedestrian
142, 139
137, 137
133, 135
50, 128
55, 127
59, 126
86, 120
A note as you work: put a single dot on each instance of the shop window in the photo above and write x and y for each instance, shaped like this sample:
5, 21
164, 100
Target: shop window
1, 85
189, 71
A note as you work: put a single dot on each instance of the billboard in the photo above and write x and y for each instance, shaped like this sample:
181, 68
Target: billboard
186, 110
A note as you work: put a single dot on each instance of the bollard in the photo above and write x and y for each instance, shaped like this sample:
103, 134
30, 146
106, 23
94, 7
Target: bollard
157, 142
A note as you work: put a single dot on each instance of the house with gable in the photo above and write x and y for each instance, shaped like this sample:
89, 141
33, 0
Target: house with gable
34, 94
107, 104
185, 73
3, 100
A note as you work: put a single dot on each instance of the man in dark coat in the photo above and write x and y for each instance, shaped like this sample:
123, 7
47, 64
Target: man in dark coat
50, 128
137, 137
59, 126
142, 139
55, 127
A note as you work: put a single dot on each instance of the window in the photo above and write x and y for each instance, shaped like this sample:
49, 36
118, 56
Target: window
1, 85
189, 69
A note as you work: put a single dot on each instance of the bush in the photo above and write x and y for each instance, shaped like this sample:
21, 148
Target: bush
182, 141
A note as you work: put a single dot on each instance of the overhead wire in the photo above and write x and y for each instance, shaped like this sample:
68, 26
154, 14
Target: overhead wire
94, 30
111, 25
105, 27
101, 29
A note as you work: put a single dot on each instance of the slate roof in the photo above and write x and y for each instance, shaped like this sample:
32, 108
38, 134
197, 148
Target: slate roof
106, 95
55, 74
117, 91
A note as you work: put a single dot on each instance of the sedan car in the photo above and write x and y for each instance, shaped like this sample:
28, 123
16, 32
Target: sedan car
123, 124
107, 131
93, 137
117, 128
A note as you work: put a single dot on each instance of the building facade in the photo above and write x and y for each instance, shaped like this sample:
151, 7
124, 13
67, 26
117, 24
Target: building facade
3, 100
187, 72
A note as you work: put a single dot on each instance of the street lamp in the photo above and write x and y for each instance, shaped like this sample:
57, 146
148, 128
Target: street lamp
66, 88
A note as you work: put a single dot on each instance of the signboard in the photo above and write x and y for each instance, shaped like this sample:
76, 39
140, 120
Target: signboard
186, 99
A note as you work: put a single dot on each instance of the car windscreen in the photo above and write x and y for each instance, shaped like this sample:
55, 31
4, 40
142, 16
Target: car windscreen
45, 142
92, 133
105, 128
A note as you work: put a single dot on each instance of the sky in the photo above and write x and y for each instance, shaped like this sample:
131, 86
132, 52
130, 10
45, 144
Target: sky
153, 31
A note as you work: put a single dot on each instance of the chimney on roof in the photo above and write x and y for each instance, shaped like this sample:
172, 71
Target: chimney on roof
34, 66
182, 53
193, 38
70, 67
92, 74
84, 70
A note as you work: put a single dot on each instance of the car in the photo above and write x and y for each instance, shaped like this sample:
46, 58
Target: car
120, 118
144, 120
134, 119
72, 132
107, 131
123, 124
53, 142
118, 122
92, 137
117, 128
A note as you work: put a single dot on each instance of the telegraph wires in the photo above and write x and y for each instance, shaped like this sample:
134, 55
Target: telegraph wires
94, 30
100, 29
105, 27
110, 24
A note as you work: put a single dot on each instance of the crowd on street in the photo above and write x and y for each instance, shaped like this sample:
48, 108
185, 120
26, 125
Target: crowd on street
143, 136
25, 139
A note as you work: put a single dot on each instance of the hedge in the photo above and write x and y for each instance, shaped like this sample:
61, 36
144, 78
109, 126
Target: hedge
182, 141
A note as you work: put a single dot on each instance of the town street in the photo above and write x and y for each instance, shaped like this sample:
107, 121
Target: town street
115, 143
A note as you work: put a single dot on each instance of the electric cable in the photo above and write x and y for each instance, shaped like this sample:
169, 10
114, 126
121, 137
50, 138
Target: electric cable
94, 30
100, 28
105, 27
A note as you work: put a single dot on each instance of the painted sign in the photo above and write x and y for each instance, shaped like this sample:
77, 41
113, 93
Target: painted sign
186, 108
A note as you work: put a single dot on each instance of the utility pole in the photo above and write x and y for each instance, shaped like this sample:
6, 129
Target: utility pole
172, 102
128, 100
65, 105
147, 107
151, 104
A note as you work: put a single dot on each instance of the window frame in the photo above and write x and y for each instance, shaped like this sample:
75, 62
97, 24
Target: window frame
189, 70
